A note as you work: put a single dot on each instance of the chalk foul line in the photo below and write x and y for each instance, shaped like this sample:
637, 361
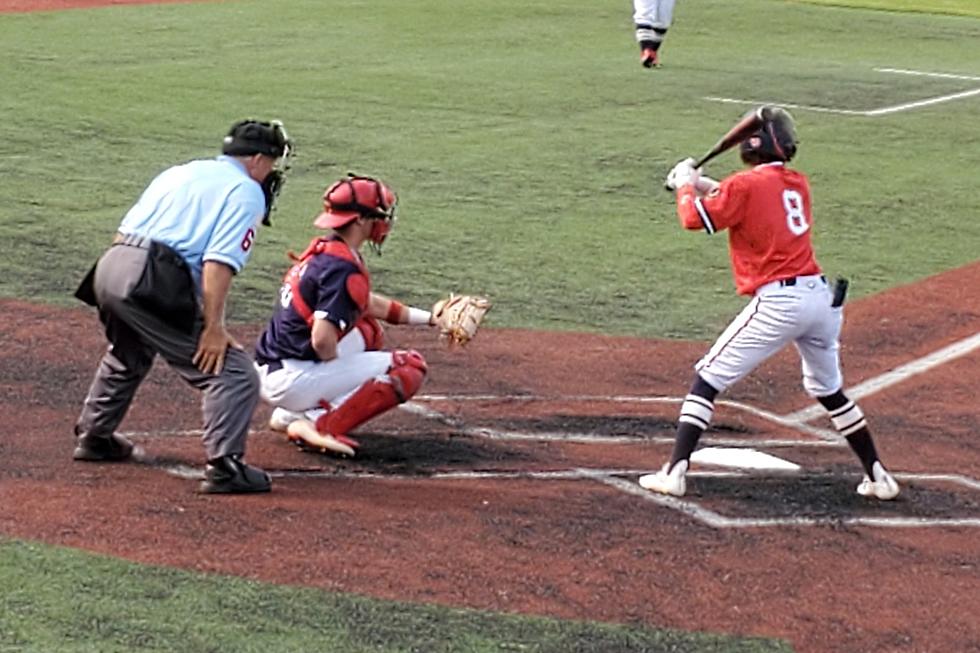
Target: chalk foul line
881, 111
896, 375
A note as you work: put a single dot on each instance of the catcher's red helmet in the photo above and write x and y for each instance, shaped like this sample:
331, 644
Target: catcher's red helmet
356, 197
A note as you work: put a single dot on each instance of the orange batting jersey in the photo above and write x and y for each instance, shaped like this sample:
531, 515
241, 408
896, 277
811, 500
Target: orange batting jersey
767, 213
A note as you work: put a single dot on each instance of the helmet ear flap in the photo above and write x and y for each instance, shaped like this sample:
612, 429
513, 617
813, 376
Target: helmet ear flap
774, 141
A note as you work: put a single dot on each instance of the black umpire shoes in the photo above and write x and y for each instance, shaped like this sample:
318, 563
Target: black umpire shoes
105, 449
229, 475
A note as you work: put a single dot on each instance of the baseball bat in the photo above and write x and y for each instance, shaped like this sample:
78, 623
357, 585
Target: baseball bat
744, 128
738, 133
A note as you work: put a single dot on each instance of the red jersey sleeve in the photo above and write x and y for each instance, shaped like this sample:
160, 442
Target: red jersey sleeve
716, 211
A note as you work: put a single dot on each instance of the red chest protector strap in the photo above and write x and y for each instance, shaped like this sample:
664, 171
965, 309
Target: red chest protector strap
327, 246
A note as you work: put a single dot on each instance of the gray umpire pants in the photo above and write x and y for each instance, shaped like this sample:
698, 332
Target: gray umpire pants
135, 337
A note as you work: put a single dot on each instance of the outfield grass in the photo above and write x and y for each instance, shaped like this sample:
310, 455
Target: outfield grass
528, 149
527, 144
58, 600
953, 7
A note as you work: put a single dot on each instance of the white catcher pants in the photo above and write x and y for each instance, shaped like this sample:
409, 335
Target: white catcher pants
776, 316
300, 385
655, 13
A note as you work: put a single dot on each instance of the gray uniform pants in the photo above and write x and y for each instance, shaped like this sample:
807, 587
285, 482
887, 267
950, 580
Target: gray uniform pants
135, 336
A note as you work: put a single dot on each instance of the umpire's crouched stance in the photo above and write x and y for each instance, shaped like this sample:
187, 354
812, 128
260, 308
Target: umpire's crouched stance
161, 289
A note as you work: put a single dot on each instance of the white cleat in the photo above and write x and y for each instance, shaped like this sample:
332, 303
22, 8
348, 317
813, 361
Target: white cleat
883, 486
282, 418
665, 482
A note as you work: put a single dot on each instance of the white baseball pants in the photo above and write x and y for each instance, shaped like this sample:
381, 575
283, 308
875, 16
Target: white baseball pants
777, 315
658, 14
300, 385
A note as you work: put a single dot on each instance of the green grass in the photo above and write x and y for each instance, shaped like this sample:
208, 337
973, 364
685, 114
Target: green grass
953, 7
59, 600
527, 145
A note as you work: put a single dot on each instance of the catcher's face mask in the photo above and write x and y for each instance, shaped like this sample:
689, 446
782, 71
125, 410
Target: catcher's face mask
380, 228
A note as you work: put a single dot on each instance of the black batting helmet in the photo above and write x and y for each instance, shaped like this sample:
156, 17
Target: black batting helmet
775, 140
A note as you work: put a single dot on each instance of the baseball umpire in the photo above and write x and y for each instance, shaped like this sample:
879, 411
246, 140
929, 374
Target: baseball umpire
161, 289
767, 212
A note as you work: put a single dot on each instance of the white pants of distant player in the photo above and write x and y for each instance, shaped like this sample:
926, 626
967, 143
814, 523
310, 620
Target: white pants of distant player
655, 13
301, 384
777, 315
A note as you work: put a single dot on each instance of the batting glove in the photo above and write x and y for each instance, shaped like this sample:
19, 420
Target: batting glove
682, 174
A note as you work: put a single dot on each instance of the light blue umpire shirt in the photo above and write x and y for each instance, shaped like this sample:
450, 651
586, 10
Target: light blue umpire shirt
207, 210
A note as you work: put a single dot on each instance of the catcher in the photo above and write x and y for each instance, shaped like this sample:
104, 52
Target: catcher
320, 359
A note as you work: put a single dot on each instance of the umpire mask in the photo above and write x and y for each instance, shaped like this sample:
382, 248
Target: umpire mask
248, 137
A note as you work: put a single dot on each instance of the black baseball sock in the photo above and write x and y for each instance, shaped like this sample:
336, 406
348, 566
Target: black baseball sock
849, 420
685, 442
862, 444
696, 413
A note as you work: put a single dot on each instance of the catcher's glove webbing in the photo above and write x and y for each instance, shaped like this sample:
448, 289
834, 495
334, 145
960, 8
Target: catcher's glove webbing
459, 317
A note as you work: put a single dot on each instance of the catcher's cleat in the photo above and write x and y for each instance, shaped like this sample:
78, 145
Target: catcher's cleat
102, 449
303, 433
883, 487
649, 58
229, 475
282, 418
667, 482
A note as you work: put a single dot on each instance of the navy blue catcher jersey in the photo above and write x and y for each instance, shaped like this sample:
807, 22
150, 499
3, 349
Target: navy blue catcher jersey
328, 283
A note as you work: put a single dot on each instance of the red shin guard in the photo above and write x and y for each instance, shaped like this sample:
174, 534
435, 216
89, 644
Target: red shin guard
382, 393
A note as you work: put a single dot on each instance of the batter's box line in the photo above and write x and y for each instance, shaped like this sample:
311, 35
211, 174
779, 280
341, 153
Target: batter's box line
516, 436
575, 473
613, 478
716, 520
826, 436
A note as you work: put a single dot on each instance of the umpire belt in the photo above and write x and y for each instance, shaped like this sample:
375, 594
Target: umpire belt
132, 240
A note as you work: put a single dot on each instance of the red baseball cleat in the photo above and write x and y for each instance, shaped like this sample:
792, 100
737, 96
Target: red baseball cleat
649, 58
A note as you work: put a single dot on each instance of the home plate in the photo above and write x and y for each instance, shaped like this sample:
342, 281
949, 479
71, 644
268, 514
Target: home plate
742, 458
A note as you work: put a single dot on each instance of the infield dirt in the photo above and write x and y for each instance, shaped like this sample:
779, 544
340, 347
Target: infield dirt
393, 523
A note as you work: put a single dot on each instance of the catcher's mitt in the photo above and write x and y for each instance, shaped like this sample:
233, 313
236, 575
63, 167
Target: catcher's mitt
459, 317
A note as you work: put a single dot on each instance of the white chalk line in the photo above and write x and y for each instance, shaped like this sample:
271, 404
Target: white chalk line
881, 111
574, 438
896, 375
827, 436
716, 520
786, 105
923, 73
796, 420
574, 474
613, 478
